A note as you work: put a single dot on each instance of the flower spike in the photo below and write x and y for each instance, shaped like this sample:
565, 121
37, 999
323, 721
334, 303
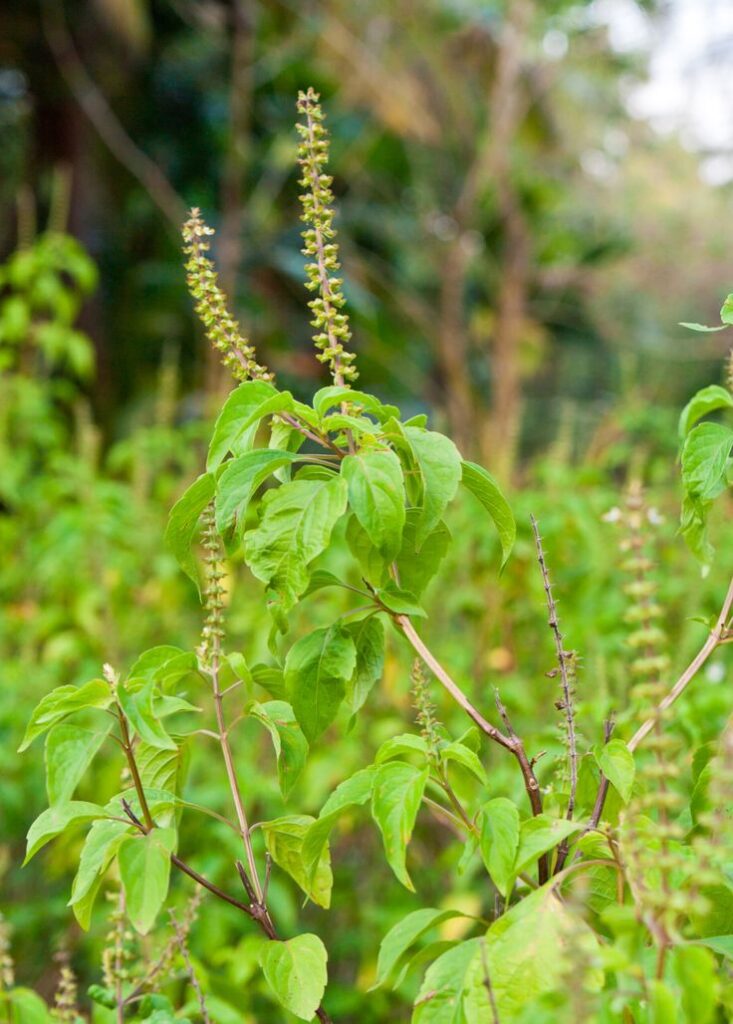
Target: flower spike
222, 330
329, 320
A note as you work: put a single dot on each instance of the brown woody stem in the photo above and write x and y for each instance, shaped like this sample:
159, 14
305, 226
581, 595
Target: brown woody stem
565, 672
511, 743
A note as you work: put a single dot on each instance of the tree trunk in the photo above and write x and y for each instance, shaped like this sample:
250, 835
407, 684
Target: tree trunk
453, 347
500, 432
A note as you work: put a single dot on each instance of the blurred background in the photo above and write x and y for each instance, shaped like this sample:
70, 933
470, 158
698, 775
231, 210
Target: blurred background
531, 194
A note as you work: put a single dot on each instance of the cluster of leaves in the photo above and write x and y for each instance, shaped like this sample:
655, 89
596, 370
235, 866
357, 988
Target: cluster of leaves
294, 490
43, 287
321, 670
705, 457
79, 528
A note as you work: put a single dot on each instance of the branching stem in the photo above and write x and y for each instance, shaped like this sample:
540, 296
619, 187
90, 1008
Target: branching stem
511, 743
563, 661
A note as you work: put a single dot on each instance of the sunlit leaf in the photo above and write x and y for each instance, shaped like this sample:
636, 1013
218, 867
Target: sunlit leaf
68, 753
145, 873
291, 746
484, 487
617, 763
296, 972
396, 797
183, 522
237, 422
439, 462
63, 701
400, 938
377, 496
317, 669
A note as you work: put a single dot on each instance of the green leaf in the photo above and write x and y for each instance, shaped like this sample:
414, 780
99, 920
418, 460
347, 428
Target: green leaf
441, 996
439, 462
693, 527
102, 842
400, 602
377, 496
69, 752
462, 755
416, 569
335, 395
399, 939
291, 746
702, 329
701, 404
484, 487
726, 310
145, 867
662, 1004
103, 996
165, 665
499, 842
368, 637
617, 763
137, 705
27, 1007
284, 839
296, 527
528, 954
236, 425
317, 669
397, 746
162, 769
697, 975
420, 958
296, 972
352, 792
320, 579
704, 459
340, 424
285, 438
372, 564
271, 680
722, 944
165, 705
539, 835
239, 481
63, 701
183, 521
398, 791
55, 820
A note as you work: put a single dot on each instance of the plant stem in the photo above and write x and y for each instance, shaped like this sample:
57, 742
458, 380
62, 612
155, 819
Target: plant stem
183, 948
119, 921
562, 660
718, 635
661, 957
456, 803
457, 824
210, 661
134, 773
453, 689
226, 751
487, 983
510, 743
